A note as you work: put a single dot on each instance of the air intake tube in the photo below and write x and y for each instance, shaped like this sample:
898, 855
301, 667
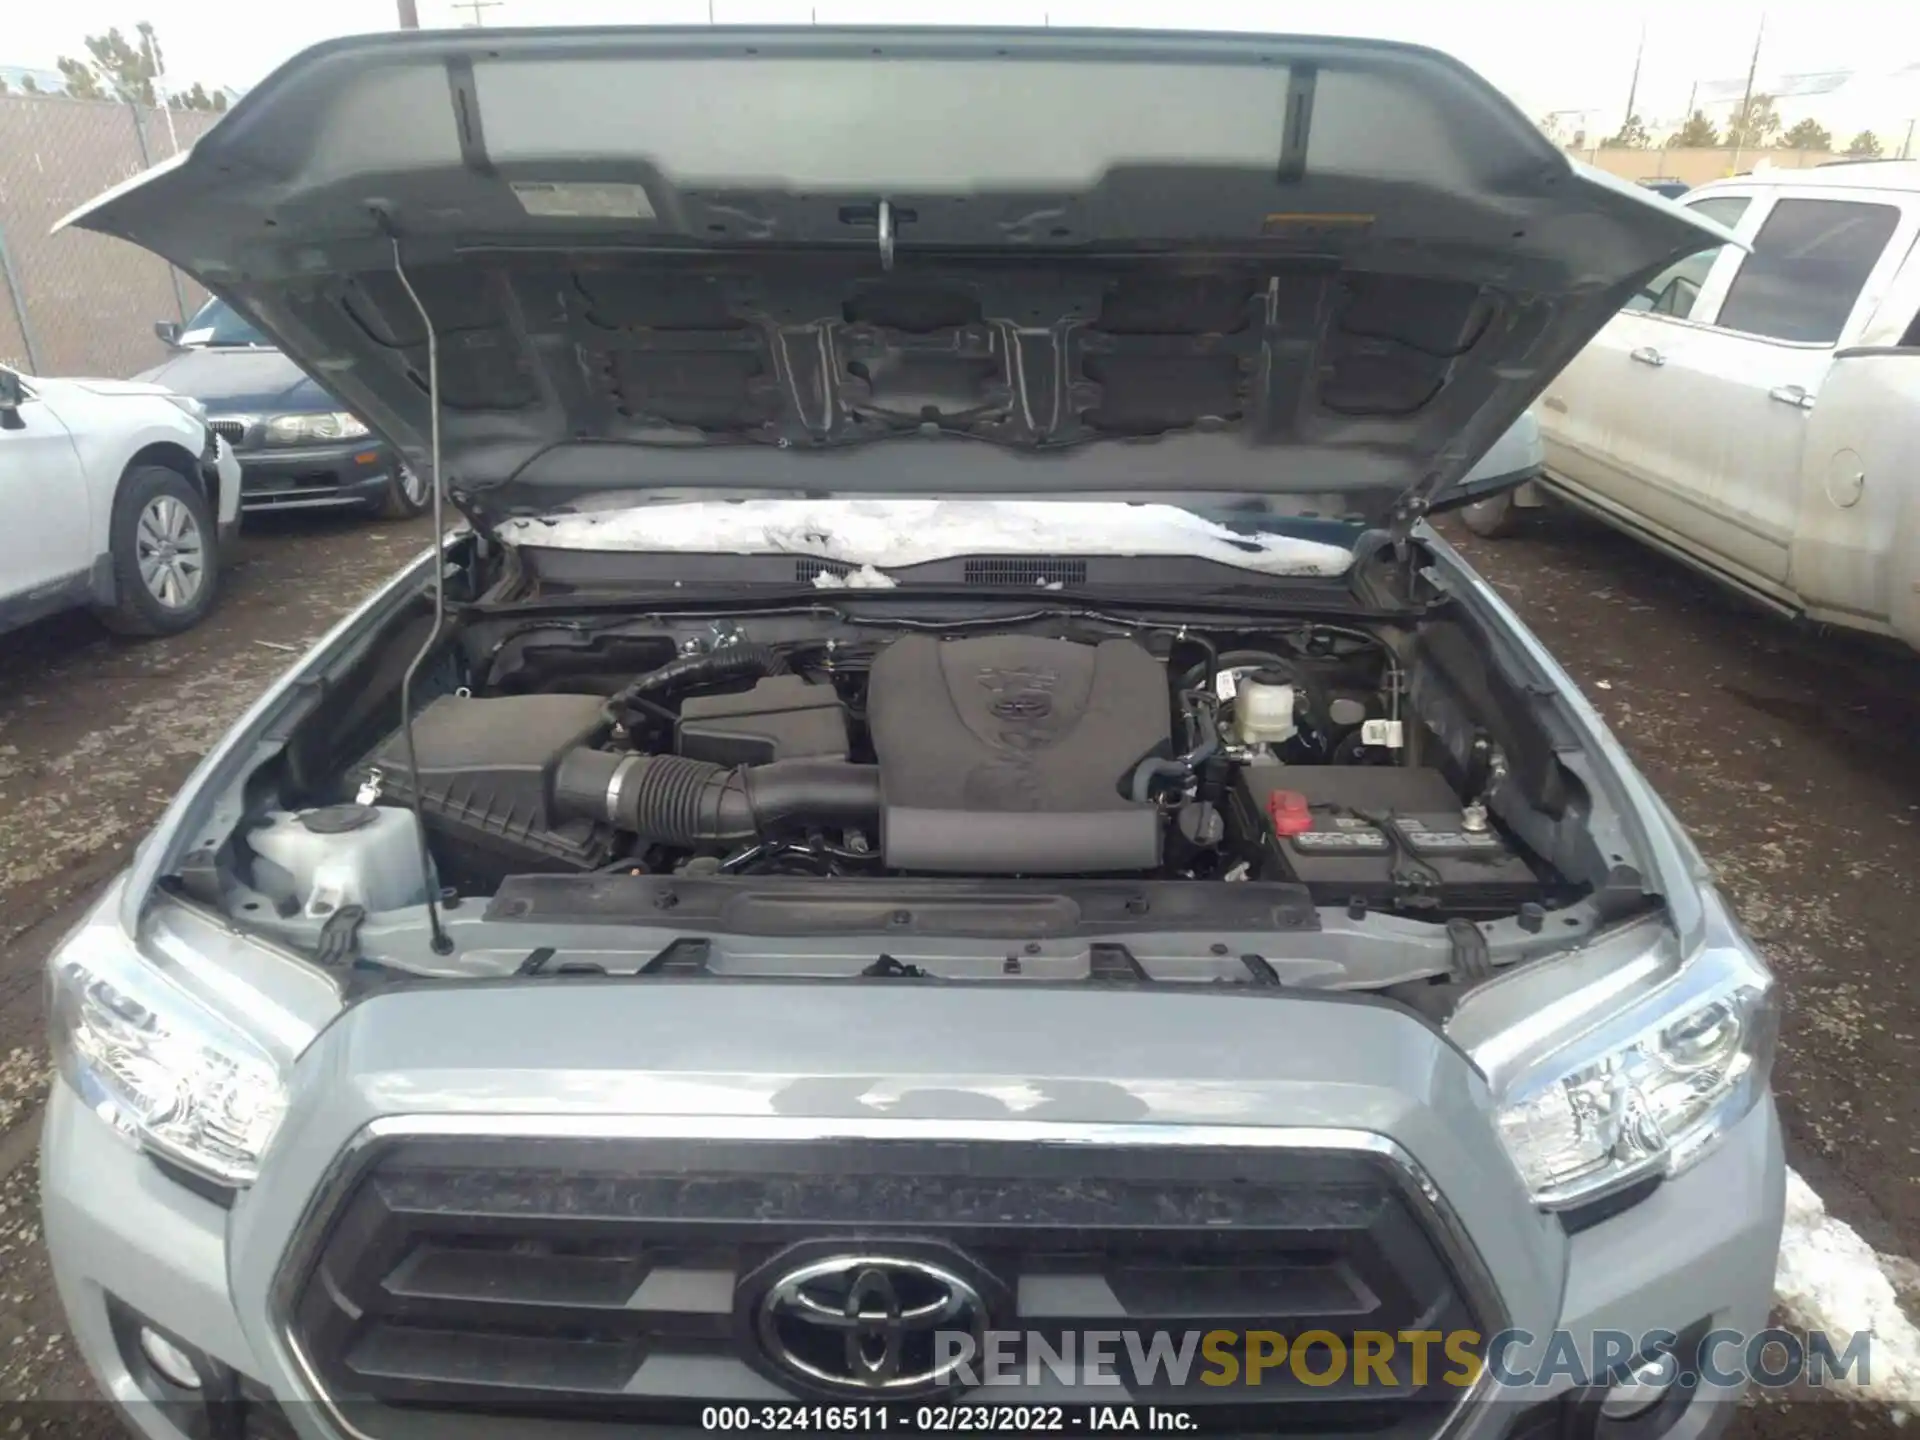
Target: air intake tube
676, 801
690, 672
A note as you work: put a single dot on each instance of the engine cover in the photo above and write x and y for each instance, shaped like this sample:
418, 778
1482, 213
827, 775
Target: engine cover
1011, 754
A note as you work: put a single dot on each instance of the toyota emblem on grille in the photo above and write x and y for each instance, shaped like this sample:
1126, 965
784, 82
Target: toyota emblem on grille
867, 1324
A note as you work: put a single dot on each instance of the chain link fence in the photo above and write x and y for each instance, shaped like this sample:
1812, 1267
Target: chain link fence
78, 303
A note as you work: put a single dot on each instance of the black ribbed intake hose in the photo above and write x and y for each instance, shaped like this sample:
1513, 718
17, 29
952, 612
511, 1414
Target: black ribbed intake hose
716, 667
677, 801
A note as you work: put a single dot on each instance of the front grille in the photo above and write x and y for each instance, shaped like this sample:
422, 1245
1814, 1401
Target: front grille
619, 1280
231, 431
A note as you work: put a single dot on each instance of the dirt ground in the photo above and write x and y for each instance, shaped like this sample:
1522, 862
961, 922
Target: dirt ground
1793, 758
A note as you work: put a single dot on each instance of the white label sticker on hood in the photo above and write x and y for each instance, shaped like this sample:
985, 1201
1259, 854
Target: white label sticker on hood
595, 199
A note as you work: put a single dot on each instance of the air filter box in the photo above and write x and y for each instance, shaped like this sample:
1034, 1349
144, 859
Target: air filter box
486, 783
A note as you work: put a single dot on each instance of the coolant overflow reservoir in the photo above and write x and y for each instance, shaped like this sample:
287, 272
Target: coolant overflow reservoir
1263, 708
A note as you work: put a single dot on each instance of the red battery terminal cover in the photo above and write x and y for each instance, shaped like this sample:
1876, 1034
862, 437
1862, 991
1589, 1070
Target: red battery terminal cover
1289, 813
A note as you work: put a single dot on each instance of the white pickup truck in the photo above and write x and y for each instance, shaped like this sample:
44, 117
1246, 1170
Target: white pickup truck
1757, 413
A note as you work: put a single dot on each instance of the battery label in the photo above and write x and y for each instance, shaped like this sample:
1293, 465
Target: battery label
1339, 835
1425, 841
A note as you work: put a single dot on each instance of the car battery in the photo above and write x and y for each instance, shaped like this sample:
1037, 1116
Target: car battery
1385, 836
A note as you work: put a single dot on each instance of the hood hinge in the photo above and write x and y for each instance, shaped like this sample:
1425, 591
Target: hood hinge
1406, 513
481, 516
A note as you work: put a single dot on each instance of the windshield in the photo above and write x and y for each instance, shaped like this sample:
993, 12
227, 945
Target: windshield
216, 324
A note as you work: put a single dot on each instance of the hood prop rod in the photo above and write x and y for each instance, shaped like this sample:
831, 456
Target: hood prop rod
441, 941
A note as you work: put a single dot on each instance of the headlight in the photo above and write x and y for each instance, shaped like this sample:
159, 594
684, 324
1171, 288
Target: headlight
187, 403
311, 429
1635, 1068
154, 1061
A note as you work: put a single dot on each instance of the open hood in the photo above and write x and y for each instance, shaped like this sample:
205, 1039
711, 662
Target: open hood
931, 263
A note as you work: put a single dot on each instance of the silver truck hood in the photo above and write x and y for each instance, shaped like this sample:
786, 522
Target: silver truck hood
930, 263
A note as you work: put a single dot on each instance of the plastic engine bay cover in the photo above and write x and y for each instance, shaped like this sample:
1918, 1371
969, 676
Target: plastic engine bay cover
1010, 754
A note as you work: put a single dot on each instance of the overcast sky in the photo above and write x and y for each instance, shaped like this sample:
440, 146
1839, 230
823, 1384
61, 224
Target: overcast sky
1547, 56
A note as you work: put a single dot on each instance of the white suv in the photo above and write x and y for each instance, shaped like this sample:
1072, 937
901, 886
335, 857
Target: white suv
115, 495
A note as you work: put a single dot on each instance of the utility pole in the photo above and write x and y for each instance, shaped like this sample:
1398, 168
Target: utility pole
476, 6
1906, 145
1633, 88
152, 51
1744, 114
409, 14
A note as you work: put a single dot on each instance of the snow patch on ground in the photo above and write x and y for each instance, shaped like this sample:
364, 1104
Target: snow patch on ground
911, 532
1829, 1279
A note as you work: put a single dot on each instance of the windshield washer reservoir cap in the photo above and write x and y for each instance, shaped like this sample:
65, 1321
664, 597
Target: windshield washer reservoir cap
337, 819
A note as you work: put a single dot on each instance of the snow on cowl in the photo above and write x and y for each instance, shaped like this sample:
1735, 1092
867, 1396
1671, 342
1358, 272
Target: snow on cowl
892, 533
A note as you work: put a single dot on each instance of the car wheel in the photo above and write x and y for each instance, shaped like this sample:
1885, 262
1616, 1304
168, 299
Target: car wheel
1492, 519
406, 494
165, 552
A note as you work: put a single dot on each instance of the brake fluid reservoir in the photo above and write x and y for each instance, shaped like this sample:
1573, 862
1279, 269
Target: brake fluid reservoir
1263, 708
340, 855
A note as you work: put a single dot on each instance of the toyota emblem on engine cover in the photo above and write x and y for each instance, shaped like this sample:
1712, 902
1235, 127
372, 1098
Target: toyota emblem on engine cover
866, 1324
1027, 705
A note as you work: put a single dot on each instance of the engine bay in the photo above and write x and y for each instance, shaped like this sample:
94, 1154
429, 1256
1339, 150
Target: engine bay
1081, 747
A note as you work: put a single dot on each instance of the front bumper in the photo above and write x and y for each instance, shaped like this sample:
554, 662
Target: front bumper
315, 477
120, 1231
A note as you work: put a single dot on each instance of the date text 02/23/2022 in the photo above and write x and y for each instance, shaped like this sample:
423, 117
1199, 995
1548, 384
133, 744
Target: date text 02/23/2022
878, 1418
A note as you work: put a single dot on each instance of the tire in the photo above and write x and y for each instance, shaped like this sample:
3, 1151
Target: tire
165, 550
406, 495
1492, 519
